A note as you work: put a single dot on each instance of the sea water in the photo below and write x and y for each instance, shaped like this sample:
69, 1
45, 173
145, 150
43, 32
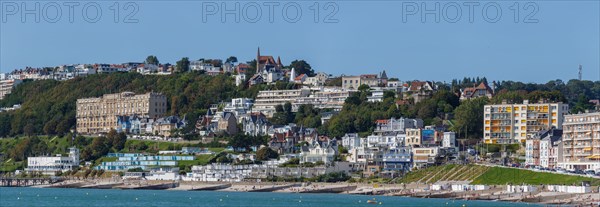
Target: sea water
59, 197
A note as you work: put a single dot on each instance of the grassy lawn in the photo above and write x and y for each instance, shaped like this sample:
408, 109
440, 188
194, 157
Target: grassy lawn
10, 166
501, 176
104, 159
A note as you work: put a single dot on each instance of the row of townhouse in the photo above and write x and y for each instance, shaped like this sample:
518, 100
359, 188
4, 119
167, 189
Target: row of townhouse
575, 147
397, 146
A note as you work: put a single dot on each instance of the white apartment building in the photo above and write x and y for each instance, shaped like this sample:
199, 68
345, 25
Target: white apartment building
514, 123
6, 86
51, 165
389, 141
581, 142
325, 98
266, 101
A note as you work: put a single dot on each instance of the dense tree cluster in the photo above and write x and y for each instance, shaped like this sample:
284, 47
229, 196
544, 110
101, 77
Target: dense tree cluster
266, 153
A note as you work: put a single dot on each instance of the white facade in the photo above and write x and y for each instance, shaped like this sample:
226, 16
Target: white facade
390, 141
351, 141
569, 189
51, 165
520, 188
164, 174
545, 149
317, 153
376, 96
6, 86
266, 101
449, 140
240, 79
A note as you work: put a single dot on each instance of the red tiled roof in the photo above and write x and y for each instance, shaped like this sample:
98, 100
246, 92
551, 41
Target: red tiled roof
300, 77
382, 121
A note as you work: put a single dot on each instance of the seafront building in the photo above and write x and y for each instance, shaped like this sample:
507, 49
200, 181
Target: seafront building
99, 115
513, 123
51, 165
581, 142
126, 161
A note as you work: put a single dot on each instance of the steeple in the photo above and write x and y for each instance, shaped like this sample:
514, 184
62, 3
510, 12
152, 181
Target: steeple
383, 75
279, 62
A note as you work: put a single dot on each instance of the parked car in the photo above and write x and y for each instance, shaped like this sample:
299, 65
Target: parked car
590, 172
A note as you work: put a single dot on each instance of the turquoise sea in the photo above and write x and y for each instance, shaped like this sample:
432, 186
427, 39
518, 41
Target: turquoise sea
162, 198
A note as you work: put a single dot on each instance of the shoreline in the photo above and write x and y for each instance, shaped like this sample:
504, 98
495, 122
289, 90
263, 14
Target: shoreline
414, 190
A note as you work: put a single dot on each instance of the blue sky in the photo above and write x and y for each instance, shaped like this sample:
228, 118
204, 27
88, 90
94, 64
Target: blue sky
369, 36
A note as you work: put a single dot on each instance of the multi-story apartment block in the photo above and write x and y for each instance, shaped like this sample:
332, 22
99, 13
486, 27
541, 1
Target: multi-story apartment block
353, 82
514, 123
327, 98
99, 115
581, 142
396, 125
6, 86
266, 101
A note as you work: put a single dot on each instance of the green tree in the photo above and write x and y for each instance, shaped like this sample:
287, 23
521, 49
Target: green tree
183, 65
266, 153
231, 59
582, 104
302, 67
151, 59
468, 117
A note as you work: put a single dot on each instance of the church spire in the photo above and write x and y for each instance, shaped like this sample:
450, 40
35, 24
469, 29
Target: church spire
279, 62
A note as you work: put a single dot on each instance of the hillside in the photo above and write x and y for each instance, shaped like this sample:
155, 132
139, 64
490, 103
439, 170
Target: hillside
48, 106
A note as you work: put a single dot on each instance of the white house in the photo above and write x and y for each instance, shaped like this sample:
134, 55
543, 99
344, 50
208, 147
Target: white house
147, 68
324, 151
240, 79
449, 140
351, 141
164, 173
51, 165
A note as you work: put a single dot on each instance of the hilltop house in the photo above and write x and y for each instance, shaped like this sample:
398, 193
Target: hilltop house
419, 90
482, 90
